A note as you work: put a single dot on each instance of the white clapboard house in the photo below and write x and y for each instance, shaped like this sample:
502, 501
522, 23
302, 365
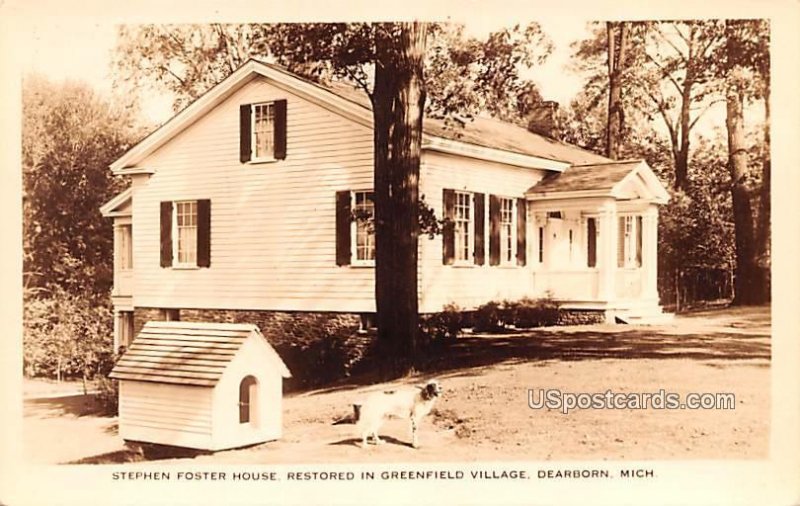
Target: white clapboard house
240, 209
207, 386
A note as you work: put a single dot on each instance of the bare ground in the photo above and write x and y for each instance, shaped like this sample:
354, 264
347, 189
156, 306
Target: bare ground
484, 414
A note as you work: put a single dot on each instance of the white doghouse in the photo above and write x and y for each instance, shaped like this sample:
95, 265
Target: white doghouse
207, 386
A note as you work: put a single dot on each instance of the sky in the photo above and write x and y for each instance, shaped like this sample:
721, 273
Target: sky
66, 48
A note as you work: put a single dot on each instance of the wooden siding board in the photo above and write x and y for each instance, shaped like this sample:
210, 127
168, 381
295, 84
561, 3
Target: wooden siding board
273, 225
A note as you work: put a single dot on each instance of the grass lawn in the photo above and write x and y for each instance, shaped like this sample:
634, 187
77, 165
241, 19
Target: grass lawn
484, 414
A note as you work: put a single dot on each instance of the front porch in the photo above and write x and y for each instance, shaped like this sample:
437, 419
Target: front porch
595, 239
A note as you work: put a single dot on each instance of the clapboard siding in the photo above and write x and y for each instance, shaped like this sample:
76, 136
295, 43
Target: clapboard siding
272, 224
165, 414
469, 286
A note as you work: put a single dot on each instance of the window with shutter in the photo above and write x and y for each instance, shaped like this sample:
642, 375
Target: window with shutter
522, 246
186, 233
541, 245
479, 205
363, 226
591, 242
343, 225
494, 229
638, 241
263, 131
463, 227
448, 234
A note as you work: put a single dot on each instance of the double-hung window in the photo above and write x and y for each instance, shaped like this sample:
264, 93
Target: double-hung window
507, 230
629, 250
263, 129
463, 227
364, 236
186, 232
125, 247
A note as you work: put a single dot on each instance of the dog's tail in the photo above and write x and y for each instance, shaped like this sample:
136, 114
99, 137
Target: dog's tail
351, 418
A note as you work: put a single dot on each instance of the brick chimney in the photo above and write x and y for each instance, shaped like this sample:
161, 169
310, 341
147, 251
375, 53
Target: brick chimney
543, 119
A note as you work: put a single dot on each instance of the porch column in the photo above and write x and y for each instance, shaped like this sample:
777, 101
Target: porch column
607, 253
650, 253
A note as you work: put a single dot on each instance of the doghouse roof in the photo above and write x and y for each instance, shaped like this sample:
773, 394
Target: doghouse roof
188, 353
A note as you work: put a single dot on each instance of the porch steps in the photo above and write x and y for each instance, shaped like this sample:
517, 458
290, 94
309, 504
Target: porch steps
654, 316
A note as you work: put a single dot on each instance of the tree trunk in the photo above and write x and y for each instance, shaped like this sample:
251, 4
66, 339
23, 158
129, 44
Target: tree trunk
763, 255
617, 34
747, 287
682, 155
398, 101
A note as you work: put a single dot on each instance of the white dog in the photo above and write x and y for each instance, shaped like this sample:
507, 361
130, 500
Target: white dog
406, 402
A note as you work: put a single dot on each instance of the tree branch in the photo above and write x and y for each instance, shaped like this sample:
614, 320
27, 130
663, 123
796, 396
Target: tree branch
664, 72
705, 109
360, 82
666, 39
662, 110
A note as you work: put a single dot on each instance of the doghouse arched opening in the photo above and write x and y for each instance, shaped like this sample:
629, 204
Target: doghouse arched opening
248, 399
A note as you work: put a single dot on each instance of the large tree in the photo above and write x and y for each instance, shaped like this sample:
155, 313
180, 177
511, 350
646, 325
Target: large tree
618, 36
387, 61
69, 136
743, 62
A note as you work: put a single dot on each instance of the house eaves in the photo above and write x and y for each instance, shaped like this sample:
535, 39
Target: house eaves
351, 105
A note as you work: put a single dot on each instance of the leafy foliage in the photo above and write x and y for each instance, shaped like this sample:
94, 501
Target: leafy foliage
464, 75
444, 326
69, 136
67, 336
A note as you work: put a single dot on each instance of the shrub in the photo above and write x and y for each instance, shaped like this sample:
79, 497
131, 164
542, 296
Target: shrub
528, 313
488, 318
107, 395
330, 358
444, 326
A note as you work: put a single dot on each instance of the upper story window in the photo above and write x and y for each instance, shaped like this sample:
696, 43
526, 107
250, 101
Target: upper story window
185, 239
507, 230
364, 236
263, 131
463, 225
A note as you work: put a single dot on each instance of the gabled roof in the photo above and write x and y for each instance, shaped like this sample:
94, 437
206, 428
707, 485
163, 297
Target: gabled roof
188, 353
487, 132
489, 136
601, 179
117, 206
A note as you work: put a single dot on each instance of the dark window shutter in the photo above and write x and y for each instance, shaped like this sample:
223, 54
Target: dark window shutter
280, 129
343, 220
244, 133
522, 227
494, 230
204, 233
448, 234
591, 242
166, 234
480, 232
638, 241
621, 242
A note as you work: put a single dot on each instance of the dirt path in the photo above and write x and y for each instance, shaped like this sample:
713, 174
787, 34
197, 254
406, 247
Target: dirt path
484, 413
